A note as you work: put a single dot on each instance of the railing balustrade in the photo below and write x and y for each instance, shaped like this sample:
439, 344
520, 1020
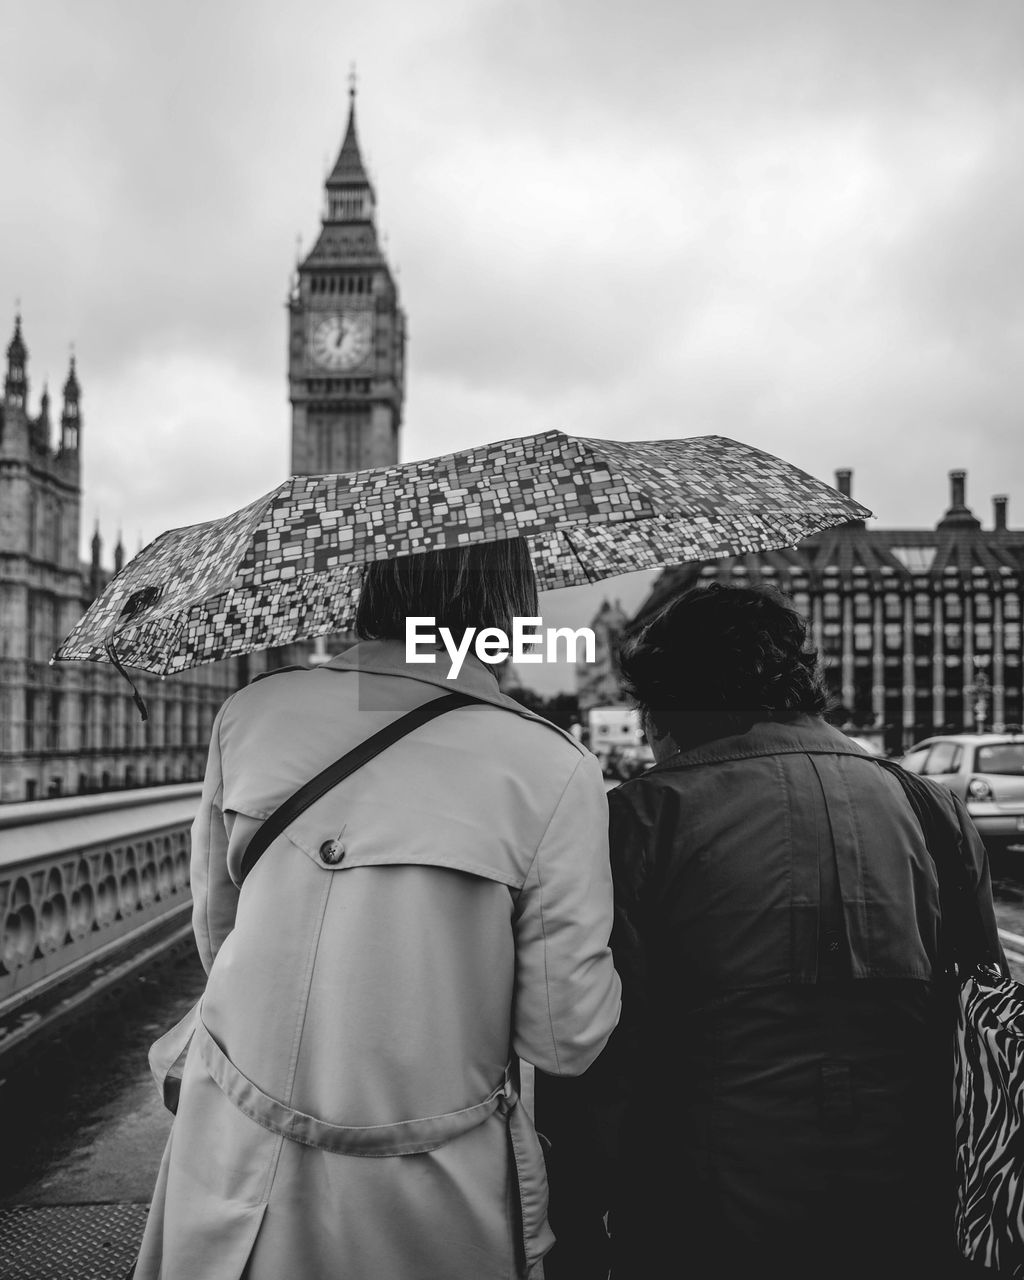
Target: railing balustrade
82, 877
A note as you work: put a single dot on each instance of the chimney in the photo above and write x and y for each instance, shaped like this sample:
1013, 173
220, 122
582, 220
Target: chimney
999, 505
843, 479
959, 514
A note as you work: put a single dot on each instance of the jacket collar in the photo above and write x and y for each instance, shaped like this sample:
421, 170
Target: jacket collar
767, 738
387, 658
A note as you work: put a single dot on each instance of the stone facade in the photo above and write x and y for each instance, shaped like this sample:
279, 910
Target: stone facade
346, 333
919, 630
597, 682
346, 347
72, 727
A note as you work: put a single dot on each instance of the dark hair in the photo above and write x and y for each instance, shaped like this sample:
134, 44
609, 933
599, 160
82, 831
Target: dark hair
484, 584
717, 659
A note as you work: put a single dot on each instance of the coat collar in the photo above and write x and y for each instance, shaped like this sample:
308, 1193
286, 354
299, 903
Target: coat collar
387, 658
767, 738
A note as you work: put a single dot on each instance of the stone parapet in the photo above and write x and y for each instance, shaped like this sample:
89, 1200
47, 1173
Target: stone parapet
79, 877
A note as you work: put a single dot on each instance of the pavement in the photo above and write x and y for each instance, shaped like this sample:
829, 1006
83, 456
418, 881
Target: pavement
84, 1130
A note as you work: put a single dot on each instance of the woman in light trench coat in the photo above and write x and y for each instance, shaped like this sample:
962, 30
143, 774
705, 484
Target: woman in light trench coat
346, 1108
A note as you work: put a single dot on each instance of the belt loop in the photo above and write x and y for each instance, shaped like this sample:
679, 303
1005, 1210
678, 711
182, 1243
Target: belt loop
509, 1097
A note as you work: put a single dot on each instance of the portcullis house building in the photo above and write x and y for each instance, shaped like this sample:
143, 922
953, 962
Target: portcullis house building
919, 630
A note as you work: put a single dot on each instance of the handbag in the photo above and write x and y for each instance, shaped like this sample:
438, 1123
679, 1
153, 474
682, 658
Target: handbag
167, 1055
988, 1055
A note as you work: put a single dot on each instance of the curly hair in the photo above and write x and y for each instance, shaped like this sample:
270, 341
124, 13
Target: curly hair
717, 659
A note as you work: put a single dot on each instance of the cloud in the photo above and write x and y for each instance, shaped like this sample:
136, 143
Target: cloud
785, 221
178, 439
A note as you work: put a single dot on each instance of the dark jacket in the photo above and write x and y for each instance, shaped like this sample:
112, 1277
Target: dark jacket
777, 1097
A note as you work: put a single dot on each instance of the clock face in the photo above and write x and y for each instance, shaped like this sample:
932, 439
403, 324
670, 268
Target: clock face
341, 341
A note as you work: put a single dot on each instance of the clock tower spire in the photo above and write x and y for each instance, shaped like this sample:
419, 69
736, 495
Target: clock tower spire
346, 359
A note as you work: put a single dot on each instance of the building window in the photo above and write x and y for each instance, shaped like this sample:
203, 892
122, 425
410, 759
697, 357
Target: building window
892, 607
922, 607
863, 711
983, 606
33, 520
954, 709
916, 559
832, 639
952, 605
54, 708
862, 607
831, 609
42, 626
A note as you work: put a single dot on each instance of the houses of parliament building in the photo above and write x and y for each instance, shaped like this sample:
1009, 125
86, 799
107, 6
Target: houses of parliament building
918, 629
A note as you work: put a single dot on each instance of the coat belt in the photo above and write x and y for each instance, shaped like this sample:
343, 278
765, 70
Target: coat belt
401, 1138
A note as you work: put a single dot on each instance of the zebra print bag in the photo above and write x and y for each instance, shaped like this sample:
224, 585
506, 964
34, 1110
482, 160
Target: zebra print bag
988, 1056
989, 1116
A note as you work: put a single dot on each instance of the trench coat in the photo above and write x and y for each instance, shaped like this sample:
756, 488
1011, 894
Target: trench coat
777, 1098
348, 1104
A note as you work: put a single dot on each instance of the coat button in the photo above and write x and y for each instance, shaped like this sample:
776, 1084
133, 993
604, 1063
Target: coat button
331, 852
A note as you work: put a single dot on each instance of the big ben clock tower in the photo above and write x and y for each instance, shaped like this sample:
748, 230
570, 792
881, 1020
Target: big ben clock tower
346, 340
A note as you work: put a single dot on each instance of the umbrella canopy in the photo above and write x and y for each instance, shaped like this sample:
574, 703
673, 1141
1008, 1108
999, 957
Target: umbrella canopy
288, 566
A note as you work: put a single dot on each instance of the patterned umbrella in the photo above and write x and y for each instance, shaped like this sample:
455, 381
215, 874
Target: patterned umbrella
288, 566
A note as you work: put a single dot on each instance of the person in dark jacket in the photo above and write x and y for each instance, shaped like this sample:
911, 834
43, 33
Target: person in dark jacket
777, 1097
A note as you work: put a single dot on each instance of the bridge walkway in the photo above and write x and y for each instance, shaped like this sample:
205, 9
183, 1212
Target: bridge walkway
84, 1128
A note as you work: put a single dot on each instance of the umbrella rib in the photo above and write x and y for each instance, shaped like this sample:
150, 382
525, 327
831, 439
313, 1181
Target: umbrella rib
579, 559
170, 650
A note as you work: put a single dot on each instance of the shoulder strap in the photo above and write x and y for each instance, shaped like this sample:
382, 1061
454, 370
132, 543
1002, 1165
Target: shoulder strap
965, 940
341, 768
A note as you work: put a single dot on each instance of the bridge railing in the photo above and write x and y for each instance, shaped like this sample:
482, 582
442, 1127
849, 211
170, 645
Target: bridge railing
84, 878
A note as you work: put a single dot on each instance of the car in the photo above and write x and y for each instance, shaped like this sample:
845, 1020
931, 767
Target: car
986, 770
627, 761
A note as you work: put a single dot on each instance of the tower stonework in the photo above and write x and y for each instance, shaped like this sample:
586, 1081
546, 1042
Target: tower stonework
71, 727
40, 498
346, 345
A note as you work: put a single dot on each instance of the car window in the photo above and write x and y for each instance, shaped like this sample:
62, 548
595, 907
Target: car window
943, 758
914, 760
1004, 757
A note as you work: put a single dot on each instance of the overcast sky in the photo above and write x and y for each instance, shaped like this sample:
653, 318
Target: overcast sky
792, 222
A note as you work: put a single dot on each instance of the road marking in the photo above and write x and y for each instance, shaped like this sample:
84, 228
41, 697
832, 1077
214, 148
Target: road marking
1006, 936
